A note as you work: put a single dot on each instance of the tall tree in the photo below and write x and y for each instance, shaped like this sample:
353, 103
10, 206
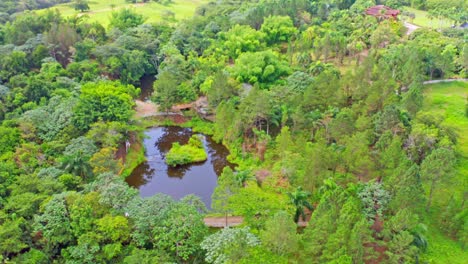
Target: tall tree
60, 40
438, 166
280, 234
299, 199
77, 164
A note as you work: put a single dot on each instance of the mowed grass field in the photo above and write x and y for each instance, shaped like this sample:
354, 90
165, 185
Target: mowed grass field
100, 10
423, 19
448, 101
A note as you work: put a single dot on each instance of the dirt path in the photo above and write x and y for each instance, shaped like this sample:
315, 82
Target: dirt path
445, 80
145, 109
411, 27
405, 88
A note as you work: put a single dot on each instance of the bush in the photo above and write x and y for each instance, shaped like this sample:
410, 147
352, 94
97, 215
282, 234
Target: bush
185, 154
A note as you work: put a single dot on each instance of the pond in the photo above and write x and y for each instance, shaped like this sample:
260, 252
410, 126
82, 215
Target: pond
155, 176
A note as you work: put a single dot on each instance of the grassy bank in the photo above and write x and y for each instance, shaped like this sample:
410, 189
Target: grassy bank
135, 155
100, 10
423, 19
447, 101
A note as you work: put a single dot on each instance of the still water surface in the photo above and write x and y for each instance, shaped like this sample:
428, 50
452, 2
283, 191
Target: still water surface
155, 176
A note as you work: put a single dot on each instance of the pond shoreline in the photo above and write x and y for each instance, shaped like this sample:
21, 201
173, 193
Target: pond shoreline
154, 175
135, 154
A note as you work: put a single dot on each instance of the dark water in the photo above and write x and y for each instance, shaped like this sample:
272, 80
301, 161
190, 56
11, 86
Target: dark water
146, 86
154, 176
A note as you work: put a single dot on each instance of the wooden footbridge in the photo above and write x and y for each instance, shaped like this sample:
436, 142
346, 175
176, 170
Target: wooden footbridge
230, 221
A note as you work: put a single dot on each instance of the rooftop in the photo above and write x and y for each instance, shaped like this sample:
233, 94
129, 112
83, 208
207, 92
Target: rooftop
382, 11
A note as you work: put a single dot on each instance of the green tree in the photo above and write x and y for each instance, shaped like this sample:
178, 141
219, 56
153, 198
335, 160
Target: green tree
240, 39
81, 5
374, 199
145, 215
115, 192
125, 19
263, 67
383, 35
398, 230
256, 204
108, 134
299, 199
135, 65
77, 164
220, 88
114, 228
81, 145
107, 101
228, 245
54, 223
60, 40
13, 64
280, 234
278, 29
143, 256
227, 186
104, 161
166, 91
11, 234
9, 139
181, 231
356, 154
413, 99
243, 176
438, 166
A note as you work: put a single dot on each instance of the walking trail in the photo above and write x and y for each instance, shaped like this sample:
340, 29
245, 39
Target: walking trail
411, 27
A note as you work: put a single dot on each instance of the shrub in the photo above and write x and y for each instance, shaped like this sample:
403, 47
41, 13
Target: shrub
185, 154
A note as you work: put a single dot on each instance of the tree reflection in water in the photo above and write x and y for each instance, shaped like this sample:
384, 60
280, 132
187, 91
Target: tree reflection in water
155, 176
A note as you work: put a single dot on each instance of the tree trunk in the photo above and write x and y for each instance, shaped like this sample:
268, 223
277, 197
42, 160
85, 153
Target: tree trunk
268, 127
431, 192
226, 220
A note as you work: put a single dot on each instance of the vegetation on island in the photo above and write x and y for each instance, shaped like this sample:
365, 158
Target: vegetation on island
191, 152
342, 154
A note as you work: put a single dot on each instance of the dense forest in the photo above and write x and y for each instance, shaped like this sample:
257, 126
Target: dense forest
339, 157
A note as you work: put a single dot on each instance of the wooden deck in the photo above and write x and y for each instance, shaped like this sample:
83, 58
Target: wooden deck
220, 222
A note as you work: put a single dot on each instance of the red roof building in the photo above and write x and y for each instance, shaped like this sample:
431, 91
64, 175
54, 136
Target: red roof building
382, 12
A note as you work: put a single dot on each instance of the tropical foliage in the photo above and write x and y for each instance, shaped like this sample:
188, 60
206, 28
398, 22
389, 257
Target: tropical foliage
340, 150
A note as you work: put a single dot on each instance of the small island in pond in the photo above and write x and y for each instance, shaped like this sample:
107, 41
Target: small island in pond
192, 152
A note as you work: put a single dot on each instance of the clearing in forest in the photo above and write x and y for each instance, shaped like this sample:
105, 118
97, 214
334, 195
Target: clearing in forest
423, 19
100, 10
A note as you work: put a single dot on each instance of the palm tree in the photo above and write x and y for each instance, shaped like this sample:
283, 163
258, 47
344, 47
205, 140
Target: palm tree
419, 240
243, 176
299, 200
77, 165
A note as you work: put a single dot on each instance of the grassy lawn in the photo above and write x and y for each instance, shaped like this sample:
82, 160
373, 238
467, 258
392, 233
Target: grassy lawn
447, 100
100, 10
422, 19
